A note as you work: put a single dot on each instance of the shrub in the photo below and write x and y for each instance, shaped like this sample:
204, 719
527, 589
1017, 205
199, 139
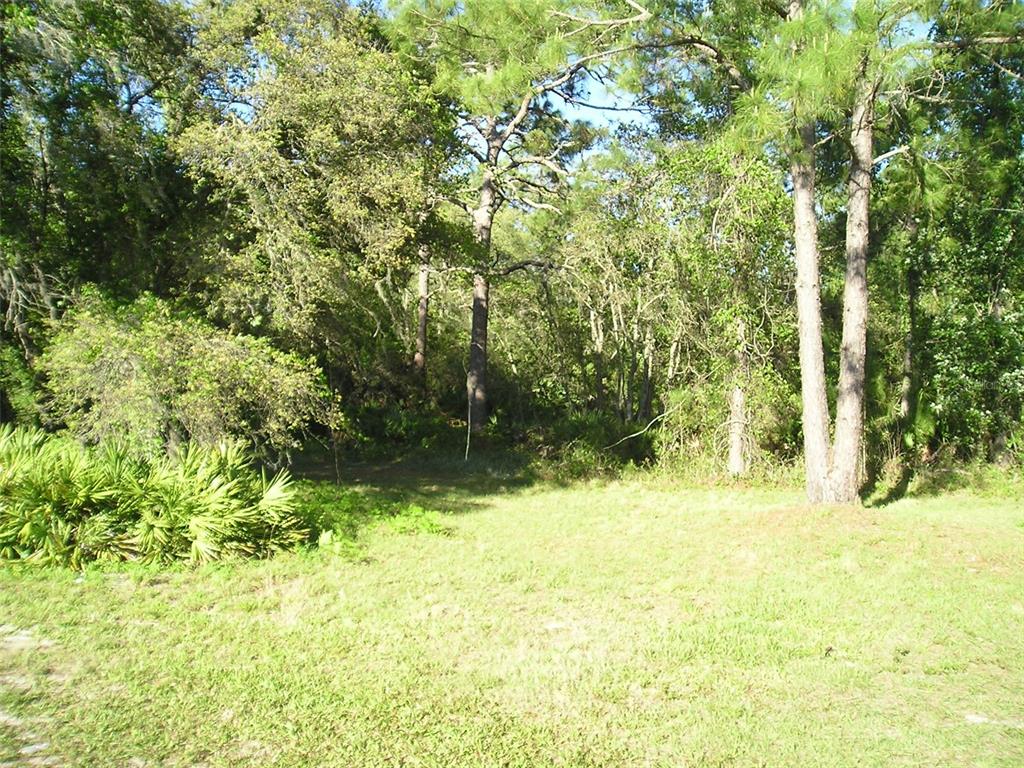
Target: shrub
69, 504
154, 376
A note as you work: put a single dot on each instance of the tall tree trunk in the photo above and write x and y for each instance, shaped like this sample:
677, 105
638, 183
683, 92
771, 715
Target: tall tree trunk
647, 390
907, 384
908, 392
476, 378
738, 407
844, 477
419, 360
808, 304
1000, 442
737, 431
597, 336
476, 375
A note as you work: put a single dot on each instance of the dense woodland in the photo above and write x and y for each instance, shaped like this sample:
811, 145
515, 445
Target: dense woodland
721, 237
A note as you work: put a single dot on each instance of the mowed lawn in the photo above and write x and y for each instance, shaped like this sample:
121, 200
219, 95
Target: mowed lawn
613, 624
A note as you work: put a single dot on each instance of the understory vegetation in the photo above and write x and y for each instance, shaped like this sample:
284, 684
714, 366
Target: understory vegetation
757, 240
67, 504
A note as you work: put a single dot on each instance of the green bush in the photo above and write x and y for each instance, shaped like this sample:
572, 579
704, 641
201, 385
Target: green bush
152, 375
68, 504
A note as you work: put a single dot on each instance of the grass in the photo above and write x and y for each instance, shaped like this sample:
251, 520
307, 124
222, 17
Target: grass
618, 624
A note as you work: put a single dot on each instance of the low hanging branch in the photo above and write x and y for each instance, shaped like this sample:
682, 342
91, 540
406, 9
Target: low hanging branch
650, 424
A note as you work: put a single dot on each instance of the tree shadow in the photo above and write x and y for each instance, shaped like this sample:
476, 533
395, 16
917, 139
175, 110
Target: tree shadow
949, 476
440, 479
894, 492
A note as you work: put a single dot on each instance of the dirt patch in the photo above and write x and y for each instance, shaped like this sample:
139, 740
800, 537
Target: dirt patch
30, 750
13, 639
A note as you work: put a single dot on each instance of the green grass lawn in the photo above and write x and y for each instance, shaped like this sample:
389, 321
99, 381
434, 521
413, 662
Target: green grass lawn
622, 624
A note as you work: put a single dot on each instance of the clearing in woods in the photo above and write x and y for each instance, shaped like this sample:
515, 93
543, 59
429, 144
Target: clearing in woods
615, 624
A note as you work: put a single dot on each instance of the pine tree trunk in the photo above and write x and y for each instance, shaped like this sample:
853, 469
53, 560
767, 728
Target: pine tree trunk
808, 305
476, 378
476, 375
907, 385
597, 336
647, 390
419, 360
998, 448
844, 479
907, 382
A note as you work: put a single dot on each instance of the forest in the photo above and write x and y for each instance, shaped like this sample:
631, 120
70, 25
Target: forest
347, 283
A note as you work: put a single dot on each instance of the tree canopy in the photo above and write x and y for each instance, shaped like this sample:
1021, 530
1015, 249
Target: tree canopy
756, 234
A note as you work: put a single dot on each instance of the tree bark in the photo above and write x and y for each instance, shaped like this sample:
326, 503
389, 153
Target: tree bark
738, 407
907, 385
844, 478
647, 390
1000, 442
476, 375
808, 304
419, 360
597, 336
476, 378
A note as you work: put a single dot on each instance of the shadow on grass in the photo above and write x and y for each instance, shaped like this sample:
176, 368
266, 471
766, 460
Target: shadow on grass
347, 496
894, 492
943, 478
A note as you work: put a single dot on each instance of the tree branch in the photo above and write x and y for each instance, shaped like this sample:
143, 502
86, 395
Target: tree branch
642, 15
709, 51
891, 153
525, 264
537, 205
567, 75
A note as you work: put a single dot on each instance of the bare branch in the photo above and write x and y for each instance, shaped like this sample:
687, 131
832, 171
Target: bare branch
642, 15
891, 153
708, 51
541, 188
568, 74
1003, 69
650, 424
548, 162
967, 43
537, 205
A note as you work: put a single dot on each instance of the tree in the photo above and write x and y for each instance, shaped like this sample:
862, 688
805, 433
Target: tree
152, 376
505, 66
90, 190
674, 256
951, 222
796, 70
328, 157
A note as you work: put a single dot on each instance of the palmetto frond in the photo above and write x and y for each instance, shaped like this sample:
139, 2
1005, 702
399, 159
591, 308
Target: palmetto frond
65, 503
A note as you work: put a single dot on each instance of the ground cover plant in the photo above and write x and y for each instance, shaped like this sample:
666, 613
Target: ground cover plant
623, 623
64, 503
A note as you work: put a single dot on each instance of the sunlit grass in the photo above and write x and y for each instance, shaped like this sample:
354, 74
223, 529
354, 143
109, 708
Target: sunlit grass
602, 625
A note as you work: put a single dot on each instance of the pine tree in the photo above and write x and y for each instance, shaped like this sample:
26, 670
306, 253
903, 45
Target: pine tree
507, 66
